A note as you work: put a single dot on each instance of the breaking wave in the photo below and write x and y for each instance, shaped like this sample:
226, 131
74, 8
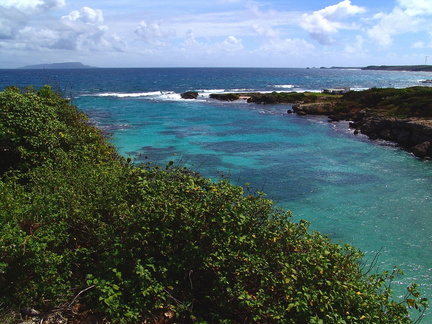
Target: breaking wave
284, 86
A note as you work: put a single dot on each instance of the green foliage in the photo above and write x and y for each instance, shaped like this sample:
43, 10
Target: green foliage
402, 103
136, 242
279, 97
274, 97
41, 127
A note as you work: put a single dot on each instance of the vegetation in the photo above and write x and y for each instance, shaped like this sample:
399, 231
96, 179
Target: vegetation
84, 232
426, 68
275, 97
281, 97
407, 102
225, 96
401, 103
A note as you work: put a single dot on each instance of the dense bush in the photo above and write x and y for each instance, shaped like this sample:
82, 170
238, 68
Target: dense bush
40, 127
407, 102
281, 97
90, 232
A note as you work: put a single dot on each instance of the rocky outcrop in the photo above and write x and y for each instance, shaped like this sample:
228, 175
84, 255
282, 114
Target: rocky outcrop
422, 150
189, 95
225, 96
318, 108
411, 134
263, 98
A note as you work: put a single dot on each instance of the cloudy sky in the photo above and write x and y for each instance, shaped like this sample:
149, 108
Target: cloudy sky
246, 33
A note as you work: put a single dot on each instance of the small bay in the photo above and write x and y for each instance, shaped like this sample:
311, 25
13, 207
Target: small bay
366, 193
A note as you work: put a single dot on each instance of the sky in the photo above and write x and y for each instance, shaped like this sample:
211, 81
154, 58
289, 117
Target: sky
216, 33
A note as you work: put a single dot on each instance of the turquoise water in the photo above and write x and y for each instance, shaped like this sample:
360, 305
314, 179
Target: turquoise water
366, 193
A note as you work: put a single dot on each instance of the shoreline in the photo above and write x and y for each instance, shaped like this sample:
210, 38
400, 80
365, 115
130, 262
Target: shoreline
402, 116
408, 68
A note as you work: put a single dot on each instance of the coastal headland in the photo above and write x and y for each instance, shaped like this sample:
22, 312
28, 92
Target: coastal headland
412, 68
402, 116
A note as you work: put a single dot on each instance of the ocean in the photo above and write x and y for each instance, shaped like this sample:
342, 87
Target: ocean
366, 193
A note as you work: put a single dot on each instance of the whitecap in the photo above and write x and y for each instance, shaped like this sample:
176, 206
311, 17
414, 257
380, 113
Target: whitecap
125, 95
358, 89
284, 86
169, 95
242, 90
309, 90
211, 90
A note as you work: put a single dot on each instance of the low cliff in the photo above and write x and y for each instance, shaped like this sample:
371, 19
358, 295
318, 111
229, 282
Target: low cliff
403, 116
412, 134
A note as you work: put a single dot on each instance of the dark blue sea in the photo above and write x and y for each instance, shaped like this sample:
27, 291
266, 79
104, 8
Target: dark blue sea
366, 193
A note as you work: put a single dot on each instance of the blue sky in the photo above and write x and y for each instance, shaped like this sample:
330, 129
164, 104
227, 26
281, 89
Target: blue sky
245, 33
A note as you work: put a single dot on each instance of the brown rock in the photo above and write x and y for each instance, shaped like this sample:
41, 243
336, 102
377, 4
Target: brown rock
422, 150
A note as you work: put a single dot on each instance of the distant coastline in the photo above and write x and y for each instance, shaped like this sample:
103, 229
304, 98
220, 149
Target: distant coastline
408, 68
57, 66
412, 68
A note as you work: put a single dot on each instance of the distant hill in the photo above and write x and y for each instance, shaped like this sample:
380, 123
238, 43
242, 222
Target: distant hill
425, 68
64, 65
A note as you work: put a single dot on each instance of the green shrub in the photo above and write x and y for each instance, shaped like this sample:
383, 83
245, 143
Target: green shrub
137, 242
41, 127
402, 103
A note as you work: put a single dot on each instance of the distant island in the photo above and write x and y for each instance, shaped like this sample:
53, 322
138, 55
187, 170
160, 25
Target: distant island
54, 66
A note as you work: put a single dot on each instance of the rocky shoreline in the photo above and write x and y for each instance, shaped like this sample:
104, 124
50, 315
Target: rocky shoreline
402, 116
412, 134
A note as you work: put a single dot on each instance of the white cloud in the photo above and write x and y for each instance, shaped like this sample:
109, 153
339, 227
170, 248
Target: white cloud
397, 22
231, 44
11, 21
82, 29
290, 46
16, 14
426, 42
86, 15
33, 6
229, 1
191, 42
153, 32
79, 30
191, 47
416, 7
356, 47
20, 3
322, 24
409, 16
50, 4
420, 44
264, 30
42, 38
